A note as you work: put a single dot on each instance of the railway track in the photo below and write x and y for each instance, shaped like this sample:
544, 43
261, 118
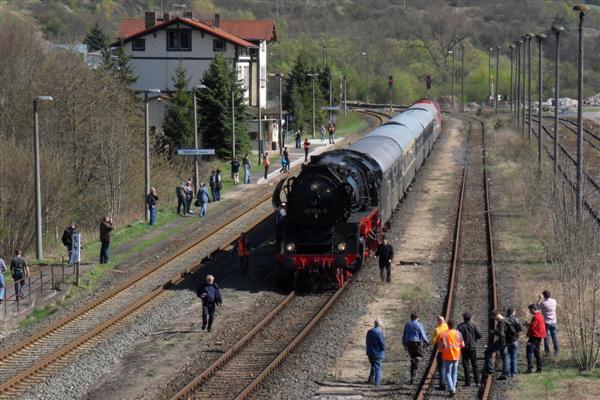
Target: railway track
469, 289
55, 346
244, 367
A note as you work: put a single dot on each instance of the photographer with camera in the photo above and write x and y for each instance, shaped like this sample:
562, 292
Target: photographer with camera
210, 296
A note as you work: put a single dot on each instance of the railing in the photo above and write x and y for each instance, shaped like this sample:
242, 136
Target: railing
44, 280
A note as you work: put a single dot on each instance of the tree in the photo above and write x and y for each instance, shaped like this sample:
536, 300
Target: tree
96, 39
117, 63
178, 125
214, 110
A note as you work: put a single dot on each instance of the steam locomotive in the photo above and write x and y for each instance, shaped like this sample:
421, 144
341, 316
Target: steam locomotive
339, 204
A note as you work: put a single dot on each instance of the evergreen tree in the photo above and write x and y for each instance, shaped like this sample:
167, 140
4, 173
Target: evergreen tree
117, 63
178, 126
96, 39
214, 110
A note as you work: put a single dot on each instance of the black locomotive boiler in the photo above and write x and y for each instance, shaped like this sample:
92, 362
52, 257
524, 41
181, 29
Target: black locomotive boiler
340, 202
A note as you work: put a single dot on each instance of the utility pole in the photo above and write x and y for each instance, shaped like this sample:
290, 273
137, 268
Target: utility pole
147, 151
557, 29
518, 86
581, 9
529, 37
540, 39
196, 168
497, 86
313, 75
364, 53
511, 78
453, 58
462, 78
232, 123
279, 124
524, 62
345, 103
39, 250
490, 74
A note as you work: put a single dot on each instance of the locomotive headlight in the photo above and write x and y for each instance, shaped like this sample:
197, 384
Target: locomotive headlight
290, 247
314, 187
341, 247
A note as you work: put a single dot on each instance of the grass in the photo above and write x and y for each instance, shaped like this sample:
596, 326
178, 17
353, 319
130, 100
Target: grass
350, 124
37, 315
560, 380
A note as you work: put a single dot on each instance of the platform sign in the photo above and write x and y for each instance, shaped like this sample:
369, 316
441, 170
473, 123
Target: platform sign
75, 249
330, 108
195, 152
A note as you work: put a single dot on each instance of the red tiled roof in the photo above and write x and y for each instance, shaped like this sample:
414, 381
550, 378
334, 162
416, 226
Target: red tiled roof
246, 29
220, 33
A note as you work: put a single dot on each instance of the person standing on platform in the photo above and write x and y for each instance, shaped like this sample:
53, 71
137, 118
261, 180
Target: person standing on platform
235, 171
181, 201
67, 239
266, 163
189, 196
19, 271
286, 155
247, 166
152, 201
322, 133
212, 182
298, 139
306, 149
375, 343
203, 198
2, 282
106, 228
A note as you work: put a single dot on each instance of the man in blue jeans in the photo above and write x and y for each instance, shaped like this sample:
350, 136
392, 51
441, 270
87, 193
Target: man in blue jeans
375, 351
513, 328
547, 306
498, 346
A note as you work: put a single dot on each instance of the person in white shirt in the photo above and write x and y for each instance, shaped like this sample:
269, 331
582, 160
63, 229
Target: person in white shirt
548, 307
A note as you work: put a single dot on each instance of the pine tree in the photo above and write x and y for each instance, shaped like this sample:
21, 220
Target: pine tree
178, 125
117, 63
96, 39
214, 110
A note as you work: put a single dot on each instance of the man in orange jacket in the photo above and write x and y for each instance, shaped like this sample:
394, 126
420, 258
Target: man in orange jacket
450, 343
441, 328
244, 248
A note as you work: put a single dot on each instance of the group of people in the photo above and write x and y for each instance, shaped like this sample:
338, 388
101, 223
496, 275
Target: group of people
330, 131
456, 342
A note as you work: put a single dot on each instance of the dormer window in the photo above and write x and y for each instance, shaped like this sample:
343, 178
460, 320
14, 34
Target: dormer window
138, 45
219, 45
179, 40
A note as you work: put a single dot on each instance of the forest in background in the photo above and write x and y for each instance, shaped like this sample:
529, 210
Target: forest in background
406, 39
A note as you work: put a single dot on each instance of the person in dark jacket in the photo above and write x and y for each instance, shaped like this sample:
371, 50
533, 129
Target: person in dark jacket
499, 345
210, 295
298, 139
535, 334
375, 343
385, 252
181, 202
413, 338
152, 201
471, 334
106, 227
19, 272
244, 250
286, 157
212, 182
514, 327
189, 196
67, 238
306, 146
235, 171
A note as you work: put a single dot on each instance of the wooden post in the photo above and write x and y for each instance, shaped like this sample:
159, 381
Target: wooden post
77, 274
41, 282
52, 273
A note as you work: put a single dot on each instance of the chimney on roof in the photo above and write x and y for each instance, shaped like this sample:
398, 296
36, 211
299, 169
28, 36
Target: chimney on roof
217, 23
166, 16
150, 19
188, 14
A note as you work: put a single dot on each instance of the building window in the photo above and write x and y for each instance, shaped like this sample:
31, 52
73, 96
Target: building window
219, 45
179, 40
138, 45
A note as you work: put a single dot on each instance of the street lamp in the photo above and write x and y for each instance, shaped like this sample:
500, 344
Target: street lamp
557, 29
453, 58
279, 124
511, 77
39, 252
540, 39
518, 85
312, 76
490, 74
196, 169
364, 53
147, 151
462, 78
581, 9
524, 62
497, 85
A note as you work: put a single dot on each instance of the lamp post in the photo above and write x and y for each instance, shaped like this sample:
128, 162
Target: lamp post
540, 39
39, 251
524, 62
313, 75
364, 53
147, 151
462, 78
497, 85
518, 85
490, 74
557, 29
581, 9
511, 77
453, 58
279, 124
529, 37
196, 169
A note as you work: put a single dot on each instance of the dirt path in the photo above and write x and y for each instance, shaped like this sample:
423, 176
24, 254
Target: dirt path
421, 239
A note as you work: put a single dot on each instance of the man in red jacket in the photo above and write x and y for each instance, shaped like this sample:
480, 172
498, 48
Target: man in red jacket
536, 333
